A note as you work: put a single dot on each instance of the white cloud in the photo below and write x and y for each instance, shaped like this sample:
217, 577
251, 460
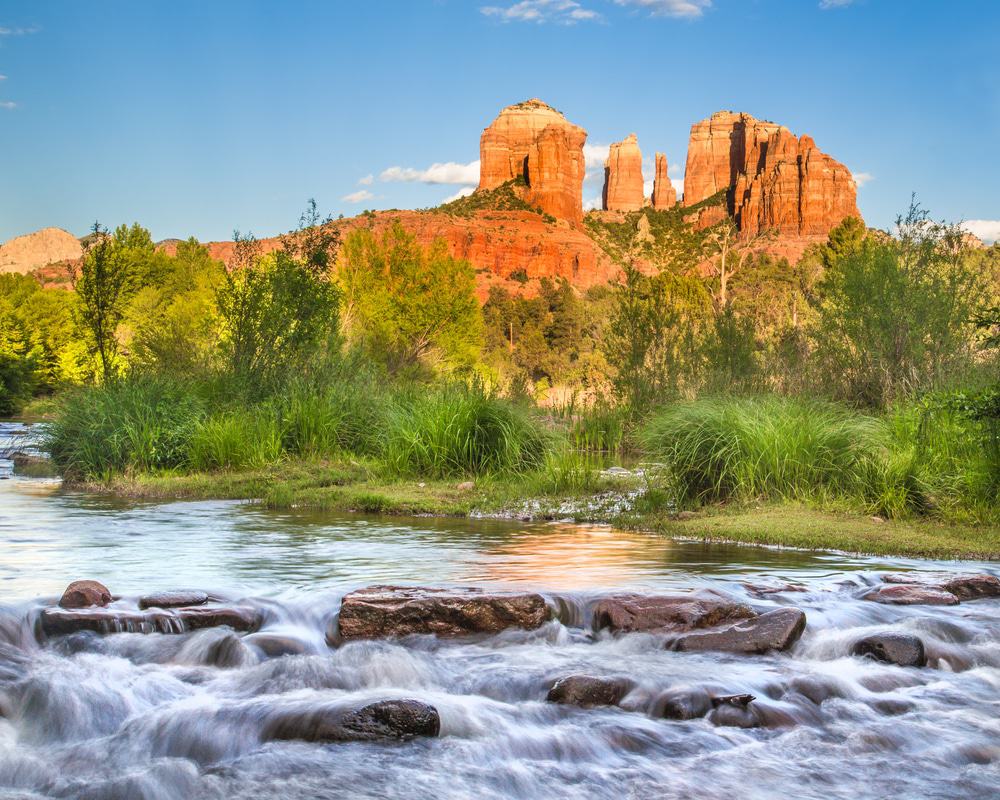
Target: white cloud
8, 104
647, 188
595, 203
358, 197
18, 31
675, 169
449, 172
678, 185
861, 178
986, 229
670, 8
828, 4
465, 191
368, 180
563, 12
594, 156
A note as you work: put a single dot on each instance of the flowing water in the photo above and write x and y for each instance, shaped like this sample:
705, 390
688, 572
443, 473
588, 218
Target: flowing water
149, 716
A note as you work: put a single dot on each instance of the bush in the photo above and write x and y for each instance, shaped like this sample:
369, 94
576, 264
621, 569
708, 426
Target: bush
139, 424
241, 439
343, 416
460, 430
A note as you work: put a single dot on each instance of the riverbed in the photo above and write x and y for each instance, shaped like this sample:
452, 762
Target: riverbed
152, 716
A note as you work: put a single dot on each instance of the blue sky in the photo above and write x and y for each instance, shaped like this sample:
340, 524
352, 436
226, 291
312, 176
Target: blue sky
197, 118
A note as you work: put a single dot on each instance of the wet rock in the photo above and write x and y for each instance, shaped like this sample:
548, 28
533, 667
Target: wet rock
734, 716
908, 594
973, 587
84, 594
176, 599
226, 652
380, 611
386, 719
902, 649
59, 622
587, 691
892, 707
274, 645
775, 630
766, 590
630, 613
738, 700
682, 704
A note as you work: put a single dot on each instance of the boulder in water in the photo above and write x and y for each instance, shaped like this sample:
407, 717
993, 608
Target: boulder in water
386, 719
973, 587
908, 594
175, 599
587, 691
903, 649
84, 594
683, 704
275, 645
774, 630
676, 613
381, 611
58, 622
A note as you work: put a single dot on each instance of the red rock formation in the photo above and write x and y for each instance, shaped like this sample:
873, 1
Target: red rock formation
623, 189
533, 141
664, 193
773, 180
38, 249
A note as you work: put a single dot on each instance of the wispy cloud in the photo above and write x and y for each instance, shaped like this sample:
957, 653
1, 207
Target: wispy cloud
670, 8
594, 155
986, 229
861, 178
448, 172
465, 191
24, 31
3, 77
358, 197
678, 185
368, 180
563, 12
8, 104
828, 4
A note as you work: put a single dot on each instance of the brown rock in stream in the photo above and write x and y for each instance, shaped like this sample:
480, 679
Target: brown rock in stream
58, 622
775, 630
902, 649
175, 599
381, 611
909, 594
587, 691
386, 719
84, 594
678, 613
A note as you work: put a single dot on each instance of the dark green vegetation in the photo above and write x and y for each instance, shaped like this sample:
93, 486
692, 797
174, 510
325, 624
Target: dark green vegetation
362, 374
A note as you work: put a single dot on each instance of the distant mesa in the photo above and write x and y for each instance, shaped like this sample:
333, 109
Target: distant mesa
39, 249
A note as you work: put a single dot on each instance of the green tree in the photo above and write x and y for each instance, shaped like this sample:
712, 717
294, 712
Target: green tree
406, 305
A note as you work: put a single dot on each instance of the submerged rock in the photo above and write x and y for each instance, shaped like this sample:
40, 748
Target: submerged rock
775, 630
683, 704
629, 613
902, 649
386, 719
274, 645
175, 599
907, 594
58, 622
84, 594
586, 691
381, 611
963, 587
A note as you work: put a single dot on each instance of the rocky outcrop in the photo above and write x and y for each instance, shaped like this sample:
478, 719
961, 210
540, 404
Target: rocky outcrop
776, 630
903, 649
384, 720
772, 180
84, 594
587, 691
39, 249
381, 611
623, 187
534, 142
664, 193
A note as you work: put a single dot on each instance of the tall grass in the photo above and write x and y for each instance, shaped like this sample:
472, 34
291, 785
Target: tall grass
238, 439
137, 425
460, 430
338, 417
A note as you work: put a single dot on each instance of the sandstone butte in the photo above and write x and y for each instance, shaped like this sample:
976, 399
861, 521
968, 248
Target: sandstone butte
664, 193
769, 179
623, 187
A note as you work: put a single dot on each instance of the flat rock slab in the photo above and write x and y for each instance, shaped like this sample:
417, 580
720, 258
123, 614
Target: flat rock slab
386, 719
775, 630
175, 599
964, 587
58, 622
910, 594
383, 611
674, 613
902, 649
587, 691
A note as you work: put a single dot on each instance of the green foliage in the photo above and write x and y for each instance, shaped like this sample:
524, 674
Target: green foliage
504, 197
138, 425
406, 306
662, 238
460, 430
238, 439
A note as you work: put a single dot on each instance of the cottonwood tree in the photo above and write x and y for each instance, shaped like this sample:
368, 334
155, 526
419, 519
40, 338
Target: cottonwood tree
732, 251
